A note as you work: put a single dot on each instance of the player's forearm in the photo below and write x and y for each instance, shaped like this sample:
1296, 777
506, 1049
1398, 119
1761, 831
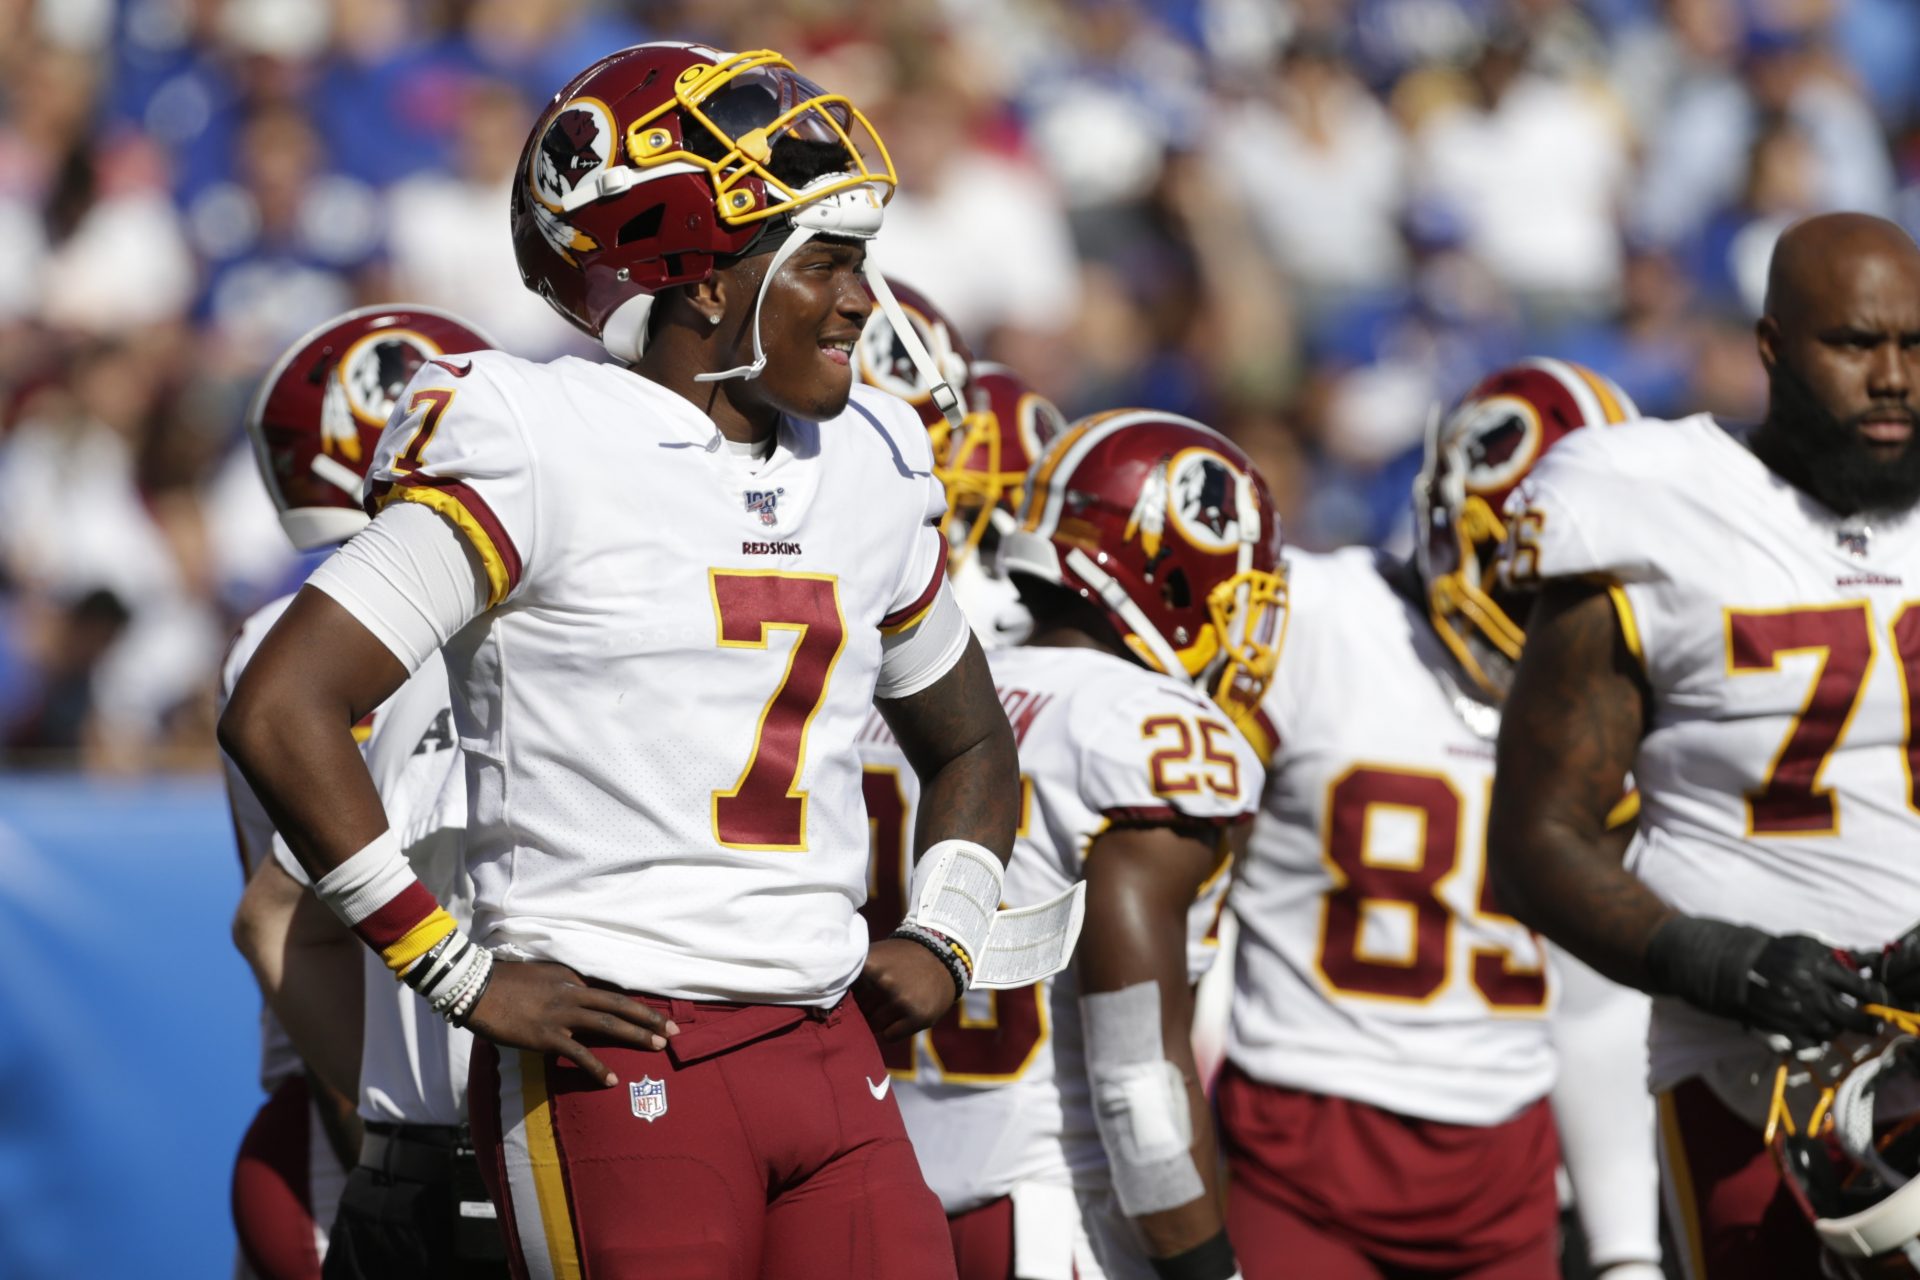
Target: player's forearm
310, 972
1137, 1007
1568, 737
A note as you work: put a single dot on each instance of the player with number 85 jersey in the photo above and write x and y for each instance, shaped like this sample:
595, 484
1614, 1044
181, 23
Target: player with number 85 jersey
1389, 1057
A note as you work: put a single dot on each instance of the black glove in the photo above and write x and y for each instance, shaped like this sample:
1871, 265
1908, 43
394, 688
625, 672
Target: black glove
1898, 966
1794, 986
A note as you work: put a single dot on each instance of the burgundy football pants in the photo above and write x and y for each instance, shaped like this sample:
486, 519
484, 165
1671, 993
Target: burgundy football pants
286, 1187
762, 1144
1732, 1217
1338, 1190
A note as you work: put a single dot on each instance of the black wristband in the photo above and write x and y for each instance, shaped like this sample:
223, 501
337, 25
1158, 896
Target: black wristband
941, 948
1211, 1260
1704, 962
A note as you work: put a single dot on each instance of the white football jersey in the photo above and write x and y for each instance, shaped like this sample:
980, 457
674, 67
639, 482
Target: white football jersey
996, 1093
253, 829
413, 1063
1372, 962
659, 706
1781, 644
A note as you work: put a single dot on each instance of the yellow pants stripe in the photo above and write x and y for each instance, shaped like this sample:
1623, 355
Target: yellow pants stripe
1677, 1184
543, 1220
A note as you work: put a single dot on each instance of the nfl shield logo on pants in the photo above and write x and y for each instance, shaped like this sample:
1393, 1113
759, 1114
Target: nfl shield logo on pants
649, 1098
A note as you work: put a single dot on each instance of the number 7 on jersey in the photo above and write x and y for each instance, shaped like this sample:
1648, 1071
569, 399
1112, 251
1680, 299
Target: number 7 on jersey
765, 808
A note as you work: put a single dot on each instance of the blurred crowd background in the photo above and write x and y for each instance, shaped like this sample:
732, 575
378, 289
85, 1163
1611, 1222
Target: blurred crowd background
1304, 221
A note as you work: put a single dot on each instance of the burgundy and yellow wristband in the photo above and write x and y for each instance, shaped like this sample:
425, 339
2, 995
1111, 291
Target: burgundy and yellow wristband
376, 894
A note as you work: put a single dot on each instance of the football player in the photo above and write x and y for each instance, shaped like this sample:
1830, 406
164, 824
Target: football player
983, 463
1726, 613
315, 425
1385, 1102
669, 590
1048, 1117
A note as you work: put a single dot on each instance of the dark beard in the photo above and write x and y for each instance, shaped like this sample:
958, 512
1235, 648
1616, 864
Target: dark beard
1825, 456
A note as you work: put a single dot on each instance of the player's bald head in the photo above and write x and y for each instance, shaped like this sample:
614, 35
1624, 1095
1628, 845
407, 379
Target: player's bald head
1830, 259
1841, 343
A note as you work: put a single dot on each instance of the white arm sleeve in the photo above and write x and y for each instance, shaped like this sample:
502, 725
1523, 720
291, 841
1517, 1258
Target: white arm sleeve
410, 578
914, 659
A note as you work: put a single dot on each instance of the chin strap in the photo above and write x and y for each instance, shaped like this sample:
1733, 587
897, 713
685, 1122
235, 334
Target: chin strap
854, 214
790, 246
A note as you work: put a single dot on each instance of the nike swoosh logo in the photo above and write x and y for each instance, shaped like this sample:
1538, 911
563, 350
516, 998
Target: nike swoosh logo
879, 1090
451, 368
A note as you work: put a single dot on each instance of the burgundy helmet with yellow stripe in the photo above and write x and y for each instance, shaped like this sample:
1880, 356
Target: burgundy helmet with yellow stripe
1163, 524
320, 411
1476, 455
1009, 425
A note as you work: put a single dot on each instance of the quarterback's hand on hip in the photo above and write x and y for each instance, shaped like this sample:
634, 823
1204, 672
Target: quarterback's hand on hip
1793, 986
548, 1007
903, 988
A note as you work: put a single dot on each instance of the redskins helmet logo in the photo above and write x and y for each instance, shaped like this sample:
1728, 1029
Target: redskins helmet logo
884, 362
1202, 496
367, 383
1498, 440
576, 145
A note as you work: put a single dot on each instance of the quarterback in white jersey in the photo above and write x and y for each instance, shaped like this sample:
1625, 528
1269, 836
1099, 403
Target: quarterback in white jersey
1131, 779
1728, 614
668, 592
983, 462
1389, 1051
314, 426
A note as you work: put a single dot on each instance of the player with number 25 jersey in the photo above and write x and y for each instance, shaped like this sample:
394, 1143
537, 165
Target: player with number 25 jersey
1020, 1125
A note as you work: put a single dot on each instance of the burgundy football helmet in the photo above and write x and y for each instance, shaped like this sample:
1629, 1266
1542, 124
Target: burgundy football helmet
1010, 426
884, 361
659, 159
1165, 525
1854, 1172
1476, 456
319, 413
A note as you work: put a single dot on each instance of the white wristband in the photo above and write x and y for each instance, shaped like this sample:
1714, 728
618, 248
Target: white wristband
956, 889
367, 881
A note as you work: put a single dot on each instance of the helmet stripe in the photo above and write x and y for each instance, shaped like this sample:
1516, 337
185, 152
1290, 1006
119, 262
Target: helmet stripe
1569, 378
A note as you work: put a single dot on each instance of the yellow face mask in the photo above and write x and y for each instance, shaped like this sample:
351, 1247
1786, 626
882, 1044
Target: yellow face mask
748, 102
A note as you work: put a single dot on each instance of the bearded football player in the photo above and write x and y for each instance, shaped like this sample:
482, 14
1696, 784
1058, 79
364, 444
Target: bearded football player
1063, 1123
1726, 613
669, 589
1389, 1057
314, 426
983, 463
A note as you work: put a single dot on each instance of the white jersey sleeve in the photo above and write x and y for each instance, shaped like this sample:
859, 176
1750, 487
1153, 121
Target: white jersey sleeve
457, 444
1160, 754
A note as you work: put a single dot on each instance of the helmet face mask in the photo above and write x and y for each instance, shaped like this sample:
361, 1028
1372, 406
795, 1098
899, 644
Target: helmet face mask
1163, 524
319, 413
1854, 1174
1475, 457
985, 470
